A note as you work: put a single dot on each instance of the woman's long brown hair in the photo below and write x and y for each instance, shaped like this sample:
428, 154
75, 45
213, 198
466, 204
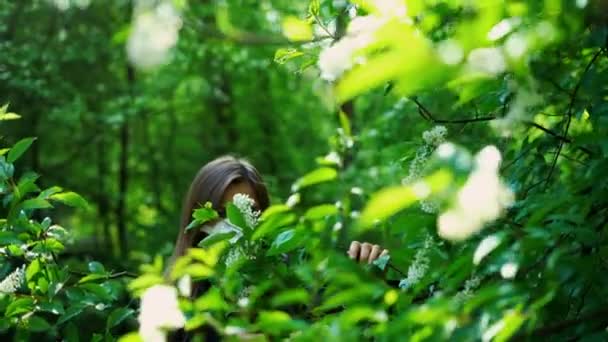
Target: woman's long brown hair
209, 185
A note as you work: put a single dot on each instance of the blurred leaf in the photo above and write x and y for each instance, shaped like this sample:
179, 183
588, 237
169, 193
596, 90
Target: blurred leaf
290, 297
235, 216
117, 316
70, 198
284, 54
96, 267
296, 29
19, 306
202, 216
37, 324
272, 224
215, 238
389, 201
18, 149
285, 242
320, 175
70, 313
321, 211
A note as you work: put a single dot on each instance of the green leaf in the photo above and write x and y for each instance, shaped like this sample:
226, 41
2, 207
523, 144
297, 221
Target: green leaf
35, 203
117, 316
7, 238
19, 306
50, 191
284, 54
97, 290
275, 322
272, 224
235, 216
20, 147
70, 198
512, 322
274, 210
321, 211
212, 300
285, 242
9, 116
37, 324
323, 174
54, 307
70, 313
131, 337
389, 201
92, 277
296, 30
313, 8
202, 216
215, 238
32, 269
96, 267
290, 297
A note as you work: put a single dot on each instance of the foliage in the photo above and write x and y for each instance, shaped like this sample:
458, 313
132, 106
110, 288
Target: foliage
40, 296
497, 234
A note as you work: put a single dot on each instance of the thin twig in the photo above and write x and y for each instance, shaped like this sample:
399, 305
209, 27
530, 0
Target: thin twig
427, 115
570, 109
563, 139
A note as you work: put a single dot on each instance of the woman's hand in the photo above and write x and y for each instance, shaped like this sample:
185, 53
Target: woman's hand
365, 252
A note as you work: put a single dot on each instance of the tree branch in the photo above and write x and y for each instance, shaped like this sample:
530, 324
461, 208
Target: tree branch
563, 139
427, 115
570, 109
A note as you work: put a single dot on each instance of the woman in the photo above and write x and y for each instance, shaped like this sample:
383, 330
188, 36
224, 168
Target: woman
218, 182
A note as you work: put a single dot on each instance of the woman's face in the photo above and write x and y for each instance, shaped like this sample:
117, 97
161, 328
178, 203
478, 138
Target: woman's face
240, 187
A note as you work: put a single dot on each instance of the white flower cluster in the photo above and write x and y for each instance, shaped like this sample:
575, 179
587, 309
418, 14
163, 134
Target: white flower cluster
159, 311
469, 285
419, 266
245, 205
432, 138
154, 33
13, 281
435, 136
481, 200
342, 55
520, 109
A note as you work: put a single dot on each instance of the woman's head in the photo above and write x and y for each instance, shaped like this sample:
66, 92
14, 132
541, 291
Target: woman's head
217, 182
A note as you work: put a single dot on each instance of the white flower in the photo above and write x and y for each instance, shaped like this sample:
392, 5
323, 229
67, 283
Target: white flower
159, 311
487, 60
432, 138
467, 292
293, 200
486, 246
435, 136
184, 284
450, 52
245, 205
341, 56
419, 266
417, 165
481, 200
154, 33
429, 206
509, 270
13, 281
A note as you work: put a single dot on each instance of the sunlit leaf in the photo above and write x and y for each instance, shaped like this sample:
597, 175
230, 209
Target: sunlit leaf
18, 149
320, 175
